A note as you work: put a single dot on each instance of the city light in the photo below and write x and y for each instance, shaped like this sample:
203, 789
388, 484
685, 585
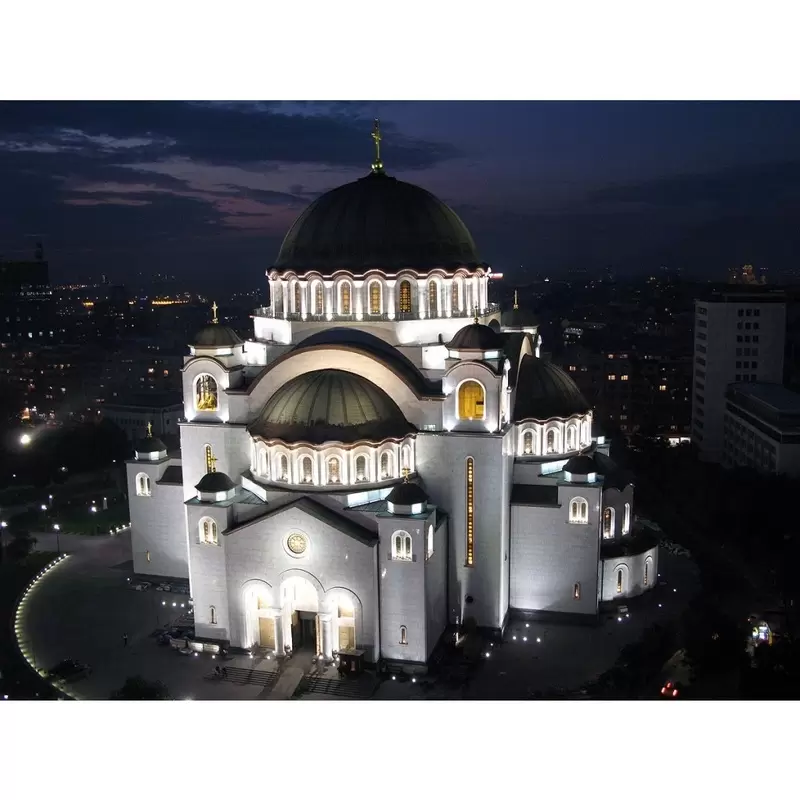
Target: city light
25, 439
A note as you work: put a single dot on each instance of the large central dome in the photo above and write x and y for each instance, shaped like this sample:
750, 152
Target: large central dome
330, 405
377, 222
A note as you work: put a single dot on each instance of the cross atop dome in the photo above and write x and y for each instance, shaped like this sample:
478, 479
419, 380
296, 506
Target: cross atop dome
149, 430
377, 164
214, 308
516, 300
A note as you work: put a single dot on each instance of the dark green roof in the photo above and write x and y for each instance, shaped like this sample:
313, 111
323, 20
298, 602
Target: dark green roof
545, 391
330, 405
215, 482
476, 337
379, 222
216, 335
407, 494
518, 318
580, 465
151, 444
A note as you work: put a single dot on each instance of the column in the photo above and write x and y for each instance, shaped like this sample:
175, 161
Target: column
304, 298
278, 622
286, 625
285, 290
391, 287
327, 636
421, 298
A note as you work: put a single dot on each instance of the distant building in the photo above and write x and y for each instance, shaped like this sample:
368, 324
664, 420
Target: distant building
761, 428
745, 275
27, 310
739, 338
162, 410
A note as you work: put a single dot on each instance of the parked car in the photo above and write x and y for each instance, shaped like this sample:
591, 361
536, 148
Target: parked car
164, 587
69, 670
180, 589
142, 586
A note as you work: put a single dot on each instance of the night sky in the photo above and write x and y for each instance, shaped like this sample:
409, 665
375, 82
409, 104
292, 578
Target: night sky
206, 191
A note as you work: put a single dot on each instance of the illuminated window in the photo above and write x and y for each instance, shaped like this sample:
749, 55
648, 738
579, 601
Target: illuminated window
551, 441
403, 635
576, 591
626, 519
386, 465
297, 300
572, 435
306, 470
208, 531
608, 523
662, 388
319, 299
646, 572
374, 298
455, 294
213, 615
147, 555
578, 511
623, 377
361, 468
619, 581
405, 297
470, 511
470, 400
211, 462
142, 485
433, 299
263, 463
527, 443
401, 546
612, 377
283, 468
405, 457
345, 301
429, 542
206, 393
334, 471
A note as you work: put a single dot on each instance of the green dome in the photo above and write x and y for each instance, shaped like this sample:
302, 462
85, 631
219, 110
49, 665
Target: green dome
379, 222
544, 391
216, 335
330, 405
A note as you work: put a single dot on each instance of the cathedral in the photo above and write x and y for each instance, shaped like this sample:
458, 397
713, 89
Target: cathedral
388, 456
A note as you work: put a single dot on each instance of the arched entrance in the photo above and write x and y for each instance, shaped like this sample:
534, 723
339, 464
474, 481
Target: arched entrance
260, 616
300, 605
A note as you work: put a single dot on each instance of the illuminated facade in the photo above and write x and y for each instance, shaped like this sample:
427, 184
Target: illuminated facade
385, 457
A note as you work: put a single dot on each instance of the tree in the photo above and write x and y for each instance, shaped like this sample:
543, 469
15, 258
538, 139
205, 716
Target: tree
137, 688
20, 546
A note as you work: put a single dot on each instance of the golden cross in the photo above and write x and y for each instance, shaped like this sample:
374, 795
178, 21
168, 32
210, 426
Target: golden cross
214, 308
149, 430
475, 319
406, 470
213, 461
377, 164
516, 301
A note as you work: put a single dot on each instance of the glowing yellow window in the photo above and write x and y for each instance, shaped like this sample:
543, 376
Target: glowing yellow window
345, 298
375, 298
405, 297
318, 299
470, 400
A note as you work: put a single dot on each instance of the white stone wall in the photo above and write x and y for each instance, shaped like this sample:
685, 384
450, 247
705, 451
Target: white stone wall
158, 523
616, 499
633, 575
229, 443
549, 555
436, 588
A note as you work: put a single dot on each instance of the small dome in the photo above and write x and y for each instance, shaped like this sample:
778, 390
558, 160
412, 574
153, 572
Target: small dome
330, 405
519, 318
213, 482
407, 494
150, 445
545, 391
580, 465
476, 337
216, 335
379, 222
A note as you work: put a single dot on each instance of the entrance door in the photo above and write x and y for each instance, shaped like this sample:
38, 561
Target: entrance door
266, 630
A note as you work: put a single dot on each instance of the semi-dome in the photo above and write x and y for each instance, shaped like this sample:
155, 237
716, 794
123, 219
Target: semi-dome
213, 482
519, 318
476, 337
580, 465
330, 405
407, 494
216, 335
151, 444
377, 222
545, 391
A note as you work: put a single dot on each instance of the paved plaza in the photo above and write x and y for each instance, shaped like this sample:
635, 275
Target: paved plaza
83, 608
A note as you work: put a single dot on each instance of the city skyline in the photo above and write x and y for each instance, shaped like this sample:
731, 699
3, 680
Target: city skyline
186, 188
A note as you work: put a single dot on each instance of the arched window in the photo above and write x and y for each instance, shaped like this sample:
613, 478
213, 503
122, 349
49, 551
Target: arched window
571, 443
403, 635
205, 393
212, 615
401, 546
470, 511
646, 571
297, 299
386, 465
334, 470
608, 523
208, 531
344, 306
306, 470
527, 443
429, 542
405, 457
319, 299
551, 441
576, 591
374, 298
263, 463
211, 462
433, 299
361, 469
470, 400
405, 297
578, 511
626, 519
455, 296
619, 581
142, 485
283, 468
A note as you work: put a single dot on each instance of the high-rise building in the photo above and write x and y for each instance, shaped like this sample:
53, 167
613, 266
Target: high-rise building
739, 337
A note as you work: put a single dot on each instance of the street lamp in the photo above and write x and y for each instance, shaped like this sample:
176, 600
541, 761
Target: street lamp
57, 528
25, 439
